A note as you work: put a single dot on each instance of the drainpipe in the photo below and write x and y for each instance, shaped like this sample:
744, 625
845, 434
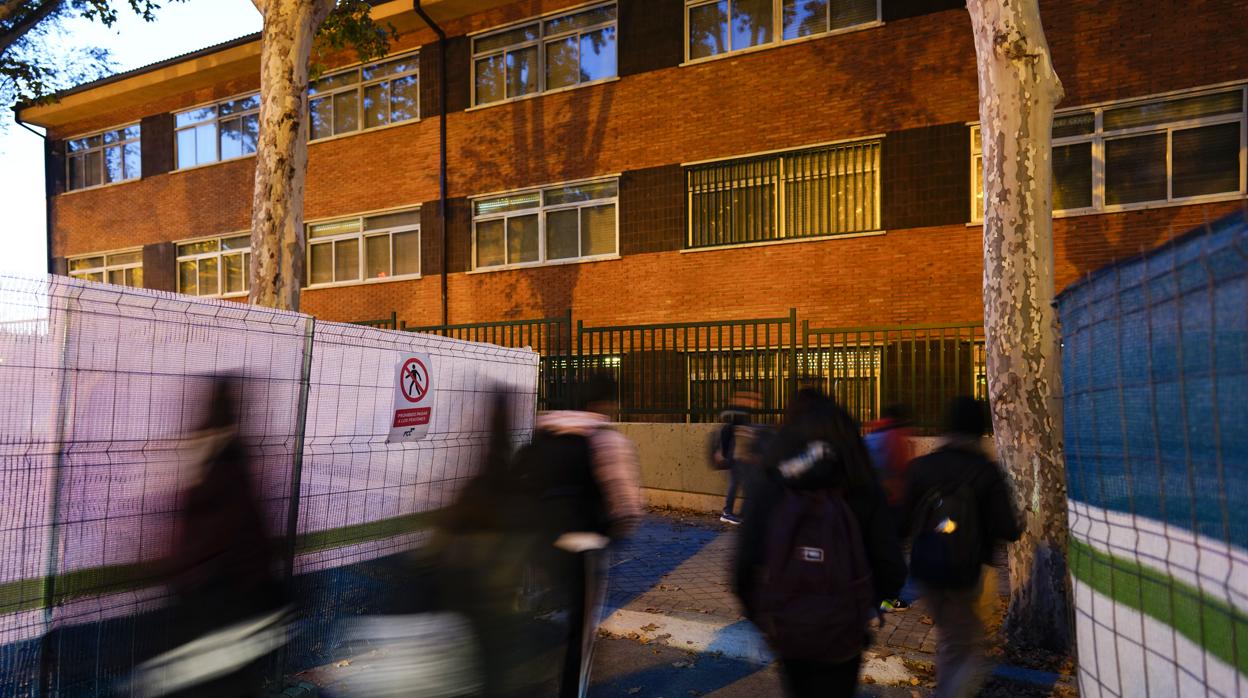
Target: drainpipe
47, 185
441, 143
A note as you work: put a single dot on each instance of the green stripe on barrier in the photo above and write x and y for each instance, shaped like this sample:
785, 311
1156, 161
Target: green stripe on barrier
1209, 622
27, 594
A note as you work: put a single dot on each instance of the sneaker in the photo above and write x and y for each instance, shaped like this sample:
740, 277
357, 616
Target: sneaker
893, 606
729, 518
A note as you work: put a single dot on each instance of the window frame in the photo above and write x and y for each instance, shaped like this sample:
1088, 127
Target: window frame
359, 86
101, 148
540, 43
778, 198
541, 210
361, 235
106, 267
1100, 136
220, 255
216, 120
777, 23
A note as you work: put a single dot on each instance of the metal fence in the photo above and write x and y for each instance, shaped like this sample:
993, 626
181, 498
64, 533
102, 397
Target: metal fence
688, 371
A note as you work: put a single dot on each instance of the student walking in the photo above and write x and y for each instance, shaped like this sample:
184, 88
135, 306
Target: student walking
587, 484
960, 507
818, 551
734, 447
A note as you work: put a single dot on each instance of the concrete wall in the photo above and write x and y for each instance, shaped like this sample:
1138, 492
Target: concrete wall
675, 470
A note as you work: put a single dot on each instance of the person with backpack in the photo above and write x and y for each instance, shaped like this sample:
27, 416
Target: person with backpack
586, 481
960, 506
890, 443
818, 550
733, 447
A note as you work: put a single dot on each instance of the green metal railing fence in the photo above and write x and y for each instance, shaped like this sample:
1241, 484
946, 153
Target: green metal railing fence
385, 323
688, 371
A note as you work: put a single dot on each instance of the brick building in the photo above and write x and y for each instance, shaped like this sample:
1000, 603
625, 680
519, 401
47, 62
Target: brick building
655, 161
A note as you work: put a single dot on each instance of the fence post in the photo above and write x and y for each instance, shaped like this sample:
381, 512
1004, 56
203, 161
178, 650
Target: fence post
792, 355
296, 474
394, 320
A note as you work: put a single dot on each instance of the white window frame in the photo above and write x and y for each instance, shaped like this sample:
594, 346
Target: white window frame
541, 209
216, 121
361, 236
782, 227
540, 43
358, 87
777, 23
219, 254
106, 267
102, 148
1099, 136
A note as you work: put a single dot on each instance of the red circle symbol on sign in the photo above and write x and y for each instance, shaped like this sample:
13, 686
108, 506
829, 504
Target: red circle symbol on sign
414, 380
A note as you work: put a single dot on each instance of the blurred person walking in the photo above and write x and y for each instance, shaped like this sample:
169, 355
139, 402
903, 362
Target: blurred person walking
890, 443
587, 484
735, 447
818, 550
960, 506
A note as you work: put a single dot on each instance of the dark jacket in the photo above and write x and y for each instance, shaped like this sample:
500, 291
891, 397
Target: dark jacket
764, 490
947, 466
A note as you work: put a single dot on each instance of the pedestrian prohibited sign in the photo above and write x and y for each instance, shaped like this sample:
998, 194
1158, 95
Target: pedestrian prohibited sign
413, 398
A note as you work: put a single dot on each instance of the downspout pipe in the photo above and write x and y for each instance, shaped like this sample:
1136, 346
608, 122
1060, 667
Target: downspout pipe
442, 207
47, 186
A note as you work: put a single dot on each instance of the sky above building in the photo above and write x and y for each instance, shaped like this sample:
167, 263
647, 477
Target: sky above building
179, 27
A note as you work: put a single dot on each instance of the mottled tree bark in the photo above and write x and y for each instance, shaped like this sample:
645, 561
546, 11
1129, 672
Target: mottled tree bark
277, 235
1018, 91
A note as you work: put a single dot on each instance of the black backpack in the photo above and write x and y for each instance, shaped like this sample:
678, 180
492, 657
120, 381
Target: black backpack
555, 473
814, 595
948, 538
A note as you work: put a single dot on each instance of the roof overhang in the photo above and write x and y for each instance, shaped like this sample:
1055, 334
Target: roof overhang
209, 66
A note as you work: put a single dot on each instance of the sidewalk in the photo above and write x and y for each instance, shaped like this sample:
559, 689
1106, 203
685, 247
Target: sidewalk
670, 585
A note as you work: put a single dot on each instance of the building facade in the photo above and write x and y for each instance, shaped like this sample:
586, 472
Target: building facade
652, 161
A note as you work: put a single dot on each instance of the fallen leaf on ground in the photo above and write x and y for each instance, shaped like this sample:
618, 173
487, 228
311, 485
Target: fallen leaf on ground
867, 679
914, 681
925, 620
345, 662
650, 627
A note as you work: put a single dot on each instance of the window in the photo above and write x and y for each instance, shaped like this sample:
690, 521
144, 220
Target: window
369, 248
216, 266
723, 26
120, 268
365, 97
830, 190
1137, 154
103, 158
565, 222
561, 51
221, 131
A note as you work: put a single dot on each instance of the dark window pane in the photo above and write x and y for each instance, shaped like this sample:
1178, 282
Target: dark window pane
75, 172
404, 98
1080, 124
580, 192
518, 35
238, 242
208, 285
489, 79
751, 23
708, 29
117, 276
588, 18
346, 112
522, 71
93, 172
322, 271
1174, 110
598, 54
1206, 160
597, 230
1135, 169
134, 277
334, 81
187, 278
377, 256
407, 253
394, 67
522, 243
250, 133
850, 13
235, 274
562, 64
804, 17
490, 249
392, 220
322, 118
562, 234
347, 260
1072, 176
376, 105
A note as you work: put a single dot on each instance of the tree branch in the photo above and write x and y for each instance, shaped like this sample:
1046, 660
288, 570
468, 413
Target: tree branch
28, 22
10, 7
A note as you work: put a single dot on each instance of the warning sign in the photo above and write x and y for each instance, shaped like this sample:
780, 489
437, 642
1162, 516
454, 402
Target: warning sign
413, 398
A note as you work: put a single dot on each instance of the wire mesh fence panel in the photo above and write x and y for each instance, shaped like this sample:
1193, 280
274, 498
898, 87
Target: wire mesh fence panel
1155, 373
921, 367
103, 435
